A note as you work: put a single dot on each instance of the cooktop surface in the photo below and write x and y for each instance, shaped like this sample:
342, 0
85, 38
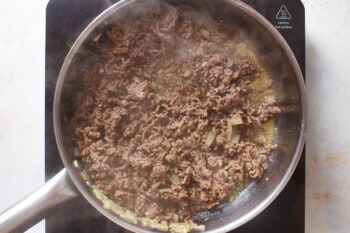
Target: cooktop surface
65, 19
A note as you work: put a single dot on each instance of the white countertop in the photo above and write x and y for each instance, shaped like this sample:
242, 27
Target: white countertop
22, 90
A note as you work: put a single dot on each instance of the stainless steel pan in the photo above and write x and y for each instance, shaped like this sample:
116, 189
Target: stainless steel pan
290, 125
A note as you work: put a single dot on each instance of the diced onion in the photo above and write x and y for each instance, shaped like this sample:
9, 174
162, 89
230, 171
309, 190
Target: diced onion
174, 179
232, 131
76, 164
229, 131
110, 205
236, 120
211, 137
185, 227
162, 226
235, 138
220, 162
175, 217
204, 64
76, 151
179, 124
205, 34
129, 217
98, 194
97, 37
156, 185
187, 73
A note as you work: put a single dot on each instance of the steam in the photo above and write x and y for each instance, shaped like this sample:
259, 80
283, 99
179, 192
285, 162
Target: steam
204, 13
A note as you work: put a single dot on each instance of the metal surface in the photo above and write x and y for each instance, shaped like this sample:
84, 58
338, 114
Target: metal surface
290, 125
35, 206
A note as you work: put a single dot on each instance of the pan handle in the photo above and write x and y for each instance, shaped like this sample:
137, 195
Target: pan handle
32, 208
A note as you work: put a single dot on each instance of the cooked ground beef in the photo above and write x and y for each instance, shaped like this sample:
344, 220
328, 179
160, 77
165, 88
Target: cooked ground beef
162, 123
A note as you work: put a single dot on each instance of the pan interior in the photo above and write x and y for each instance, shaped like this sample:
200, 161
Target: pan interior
272, 52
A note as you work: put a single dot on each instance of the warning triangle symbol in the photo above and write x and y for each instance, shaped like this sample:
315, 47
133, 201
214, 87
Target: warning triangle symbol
283, 13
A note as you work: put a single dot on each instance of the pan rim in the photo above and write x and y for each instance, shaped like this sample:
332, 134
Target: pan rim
258, 208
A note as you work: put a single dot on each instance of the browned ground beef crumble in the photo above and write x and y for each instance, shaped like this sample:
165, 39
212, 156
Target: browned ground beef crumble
161, 84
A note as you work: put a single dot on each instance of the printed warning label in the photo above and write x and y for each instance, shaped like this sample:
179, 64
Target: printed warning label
283, 19
283, 13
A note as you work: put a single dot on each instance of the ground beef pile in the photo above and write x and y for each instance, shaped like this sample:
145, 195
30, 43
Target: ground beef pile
161, 125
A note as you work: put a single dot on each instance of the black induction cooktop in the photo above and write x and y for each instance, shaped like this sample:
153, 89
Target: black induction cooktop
65, 19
